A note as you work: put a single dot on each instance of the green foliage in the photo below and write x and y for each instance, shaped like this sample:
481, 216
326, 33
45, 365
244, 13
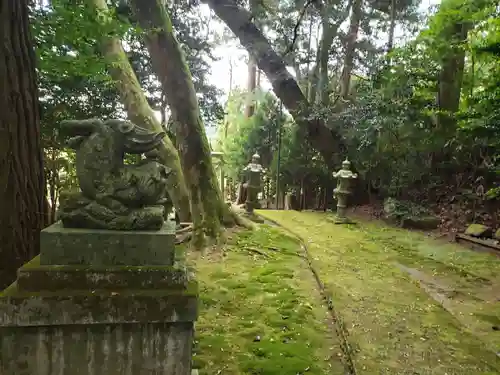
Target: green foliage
73, 80
392, 123
259, 133
245, 136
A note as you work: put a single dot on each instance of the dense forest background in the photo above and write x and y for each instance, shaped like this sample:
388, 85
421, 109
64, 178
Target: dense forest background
412, 97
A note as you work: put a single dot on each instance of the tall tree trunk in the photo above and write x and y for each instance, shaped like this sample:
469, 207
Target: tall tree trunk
451, 77
251, 85
352, 36
169, 64
22, 184
324, 54
252, 69
140, 112
392, 27
326, 141
313, 85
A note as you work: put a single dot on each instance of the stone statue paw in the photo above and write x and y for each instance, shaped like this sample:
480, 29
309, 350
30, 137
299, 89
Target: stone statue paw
79, 212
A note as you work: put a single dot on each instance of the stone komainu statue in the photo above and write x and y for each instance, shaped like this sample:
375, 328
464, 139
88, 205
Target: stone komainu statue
114, 195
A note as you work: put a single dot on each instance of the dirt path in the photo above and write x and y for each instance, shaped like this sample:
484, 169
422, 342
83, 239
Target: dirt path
410, 305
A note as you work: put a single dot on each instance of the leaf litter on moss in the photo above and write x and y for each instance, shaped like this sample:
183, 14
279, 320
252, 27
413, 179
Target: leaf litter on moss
394, 325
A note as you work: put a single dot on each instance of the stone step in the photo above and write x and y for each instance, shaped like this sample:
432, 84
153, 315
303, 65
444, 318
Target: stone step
35, 277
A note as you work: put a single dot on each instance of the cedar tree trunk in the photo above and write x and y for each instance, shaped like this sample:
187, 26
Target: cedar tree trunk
171, 68
22, 185
326, 141
140, 112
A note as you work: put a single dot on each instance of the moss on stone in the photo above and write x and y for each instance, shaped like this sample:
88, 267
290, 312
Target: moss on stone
35, 263
18, 307
13, 291
478, 230
497, 234
39, 278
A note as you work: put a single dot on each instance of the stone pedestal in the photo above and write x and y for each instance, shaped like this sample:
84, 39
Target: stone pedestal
96, 315
59, 245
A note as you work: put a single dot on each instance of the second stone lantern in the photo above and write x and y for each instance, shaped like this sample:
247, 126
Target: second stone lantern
344, 181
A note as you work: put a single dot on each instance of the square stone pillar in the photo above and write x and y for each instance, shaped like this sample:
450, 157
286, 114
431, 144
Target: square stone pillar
100, 303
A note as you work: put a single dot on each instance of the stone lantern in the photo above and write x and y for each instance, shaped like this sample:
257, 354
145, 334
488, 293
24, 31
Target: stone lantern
253, 174
344, 180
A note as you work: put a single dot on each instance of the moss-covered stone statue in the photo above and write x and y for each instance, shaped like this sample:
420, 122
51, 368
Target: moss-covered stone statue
344, 179
115, 195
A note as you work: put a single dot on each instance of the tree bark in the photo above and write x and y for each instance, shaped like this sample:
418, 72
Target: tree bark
324, 54
171, 68
326, 141
329, 33
140, 112
345, 79
22, 184
252, 68
392, 27
451, 77
251, 85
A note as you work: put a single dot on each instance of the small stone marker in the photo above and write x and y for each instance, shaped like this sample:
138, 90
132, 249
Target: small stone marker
344, 178
106, 295
496, 236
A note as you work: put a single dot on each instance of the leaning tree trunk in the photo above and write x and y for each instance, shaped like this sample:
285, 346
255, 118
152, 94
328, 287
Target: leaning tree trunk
140, 112
22, 185
325, 140
171, 68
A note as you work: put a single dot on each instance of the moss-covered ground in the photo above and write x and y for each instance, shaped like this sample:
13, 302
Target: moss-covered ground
411, 304
260, 311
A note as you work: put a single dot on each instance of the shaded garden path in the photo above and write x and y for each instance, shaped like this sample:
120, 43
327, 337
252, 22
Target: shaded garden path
411, 305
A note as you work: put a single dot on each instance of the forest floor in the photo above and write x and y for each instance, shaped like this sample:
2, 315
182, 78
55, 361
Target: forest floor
402, 303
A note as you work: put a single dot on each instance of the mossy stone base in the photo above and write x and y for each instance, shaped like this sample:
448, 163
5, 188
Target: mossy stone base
340, 219
69, 246
35, 277
19, 308
479, 230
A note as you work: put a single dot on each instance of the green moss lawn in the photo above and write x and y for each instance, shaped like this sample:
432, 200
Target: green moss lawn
411, 304
260, 312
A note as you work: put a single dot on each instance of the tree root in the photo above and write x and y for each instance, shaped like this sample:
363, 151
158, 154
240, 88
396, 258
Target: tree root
255, 251
184, 234
237, 215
